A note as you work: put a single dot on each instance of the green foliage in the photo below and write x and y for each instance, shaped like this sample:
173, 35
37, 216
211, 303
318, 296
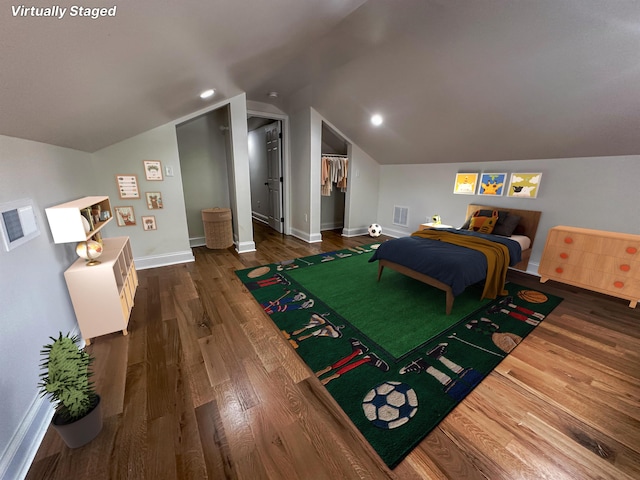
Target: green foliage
66, 377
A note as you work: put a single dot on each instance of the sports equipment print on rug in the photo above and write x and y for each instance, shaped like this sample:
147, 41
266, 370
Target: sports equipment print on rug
386, 351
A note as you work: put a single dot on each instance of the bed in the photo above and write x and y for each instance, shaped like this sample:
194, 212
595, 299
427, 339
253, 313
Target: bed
452, 267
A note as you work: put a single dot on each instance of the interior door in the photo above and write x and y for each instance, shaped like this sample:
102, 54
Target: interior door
274, 175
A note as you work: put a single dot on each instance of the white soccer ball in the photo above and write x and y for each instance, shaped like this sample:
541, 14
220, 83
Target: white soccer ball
374, 230
390, 404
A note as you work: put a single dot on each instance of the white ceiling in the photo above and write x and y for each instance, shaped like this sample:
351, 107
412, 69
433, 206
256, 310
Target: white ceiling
456, 80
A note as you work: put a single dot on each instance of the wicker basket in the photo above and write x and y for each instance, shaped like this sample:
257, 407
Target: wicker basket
218, 231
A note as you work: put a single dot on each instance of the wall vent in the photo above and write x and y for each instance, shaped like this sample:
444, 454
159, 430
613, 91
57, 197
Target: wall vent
401, 216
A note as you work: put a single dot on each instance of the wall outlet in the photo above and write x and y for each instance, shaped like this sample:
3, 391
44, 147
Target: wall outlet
306, 218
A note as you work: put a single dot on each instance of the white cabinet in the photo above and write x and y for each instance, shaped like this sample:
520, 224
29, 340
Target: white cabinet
68, 224
103, 295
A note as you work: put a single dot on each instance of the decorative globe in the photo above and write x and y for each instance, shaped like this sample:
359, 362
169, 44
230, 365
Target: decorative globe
374, 230
90, 251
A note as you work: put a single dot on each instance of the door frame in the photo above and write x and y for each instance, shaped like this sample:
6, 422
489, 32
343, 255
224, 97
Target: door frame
286, 164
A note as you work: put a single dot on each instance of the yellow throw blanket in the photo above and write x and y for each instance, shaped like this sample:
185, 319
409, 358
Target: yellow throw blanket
496, 253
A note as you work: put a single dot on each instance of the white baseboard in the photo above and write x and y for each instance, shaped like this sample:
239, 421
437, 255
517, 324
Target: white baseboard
354, 232
304, 236
197, 242
390, 232
331, 226
260, 217
153, 261
532, 269
245, 247
19, 453
23, 446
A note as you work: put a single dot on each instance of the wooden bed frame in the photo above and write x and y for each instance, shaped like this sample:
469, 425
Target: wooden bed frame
527, 226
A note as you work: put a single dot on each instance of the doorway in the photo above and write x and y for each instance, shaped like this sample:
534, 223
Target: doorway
266, 171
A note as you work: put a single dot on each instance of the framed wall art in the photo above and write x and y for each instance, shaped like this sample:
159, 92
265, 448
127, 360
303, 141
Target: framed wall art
127, 186
124, 216
148, 222
492, 184
152, 169
466, 183
154, 200
524, 185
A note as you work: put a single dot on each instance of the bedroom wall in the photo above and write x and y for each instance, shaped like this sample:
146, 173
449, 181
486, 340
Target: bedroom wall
33, 293
595, 192
363, 192
300, 174
168, 244
202, 148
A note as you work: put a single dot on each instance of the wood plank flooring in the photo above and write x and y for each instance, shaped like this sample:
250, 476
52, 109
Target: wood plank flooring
205, 387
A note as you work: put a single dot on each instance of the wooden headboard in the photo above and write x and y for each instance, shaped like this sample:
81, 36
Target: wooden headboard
528, 224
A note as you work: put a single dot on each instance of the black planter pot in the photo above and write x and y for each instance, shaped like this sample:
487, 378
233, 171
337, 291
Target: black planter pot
83, 430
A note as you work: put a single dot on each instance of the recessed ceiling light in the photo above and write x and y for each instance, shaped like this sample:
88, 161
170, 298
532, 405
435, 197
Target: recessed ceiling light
273, 94
207, 93
376, 119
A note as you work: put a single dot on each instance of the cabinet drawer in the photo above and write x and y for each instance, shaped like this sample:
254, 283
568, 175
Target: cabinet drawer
561, 271
134, 277
614, 266
124, 305
616, 284
561, 255
571, 240
628, 250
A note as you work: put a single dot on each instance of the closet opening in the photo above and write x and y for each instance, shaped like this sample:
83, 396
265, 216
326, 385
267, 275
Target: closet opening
334, 179
204, 149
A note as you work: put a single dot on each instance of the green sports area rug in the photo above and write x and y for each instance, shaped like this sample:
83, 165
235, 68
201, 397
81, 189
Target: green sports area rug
386, 351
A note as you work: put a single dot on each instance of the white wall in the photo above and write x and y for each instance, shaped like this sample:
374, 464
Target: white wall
168, 244
362, 193
34, 300
239, 175
597, 192
300, 174
202, 148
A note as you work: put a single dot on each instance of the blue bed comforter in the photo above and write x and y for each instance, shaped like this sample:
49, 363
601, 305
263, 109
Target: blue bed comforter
454, 265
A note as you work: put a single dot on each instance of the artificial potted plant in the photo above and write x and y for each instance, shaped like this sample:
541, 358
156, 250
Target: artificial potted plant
66, 381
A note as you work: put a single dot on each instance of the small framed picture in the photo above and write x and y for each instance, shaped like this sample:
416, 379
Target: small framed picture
154, 200
524, 185
492, 184
148, 222
125, 216
466, 183
127, 186
152, 169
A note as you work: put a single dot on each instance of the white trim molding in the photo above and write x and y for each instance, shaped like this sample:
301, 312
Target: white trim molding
245, 247
153, 261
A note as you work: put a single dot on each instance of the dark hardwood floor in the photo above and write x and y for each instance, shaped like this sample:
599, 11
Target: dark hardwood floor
205, 387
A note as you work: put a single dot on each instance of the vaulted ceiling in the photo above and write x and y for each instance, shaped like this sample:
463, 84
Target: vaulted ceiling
456, 80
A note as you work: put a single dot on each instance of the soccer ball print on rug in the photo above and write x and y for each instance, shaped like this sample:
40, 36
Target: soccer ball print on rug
395, 393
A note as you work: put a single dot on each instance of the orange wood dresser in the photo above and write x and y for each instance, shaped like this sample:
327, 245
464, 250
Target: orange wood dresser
605, 262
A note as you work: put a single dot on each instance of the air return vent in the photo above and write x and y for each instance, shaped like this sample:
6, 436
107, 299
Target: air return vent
400, 216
